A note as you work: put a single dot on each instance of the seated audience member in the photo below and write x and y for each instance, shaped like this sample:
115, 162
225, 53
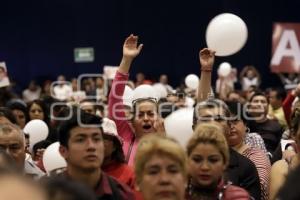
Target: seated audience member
81, 144
240, 171
145, 110
275, 110
281, 168
63, 89
38, 110
33, 92
58, 188
290, 189
269, 129
163, 79
208, 158
19, 110
88, 106
249, 76
114, 160
16, 187
6, 116
236, 140
12, 140
160, 168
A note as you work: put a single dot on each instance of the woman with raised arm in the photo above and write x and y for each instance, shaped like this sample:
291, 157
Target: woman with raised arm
144, 118
207, 58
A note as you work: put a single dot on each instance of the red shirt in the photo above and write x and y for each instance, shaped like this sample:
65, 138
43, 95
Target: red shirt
116, 113
109, 188
122, 172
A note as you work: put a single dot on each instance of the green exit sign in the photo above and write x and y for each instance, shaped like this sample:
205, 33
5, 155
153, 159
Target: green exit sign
85, 54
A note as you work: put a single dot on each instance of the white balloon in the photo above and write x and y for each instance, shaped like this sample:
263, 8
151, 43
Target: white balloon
127, 96
189, 102
52, 159
192, 81
37, 130
226, 34
144, 91
179, 125
161, 90
224, 69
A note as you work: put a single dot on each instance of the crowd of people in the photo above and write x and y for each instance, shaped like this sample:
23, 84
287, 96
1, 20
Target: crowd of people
120, 151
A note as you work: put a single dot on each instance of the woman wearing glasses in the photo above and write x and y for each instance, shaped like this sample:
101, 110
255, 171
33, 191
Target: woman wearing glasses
236, 140
145, 118
208, 158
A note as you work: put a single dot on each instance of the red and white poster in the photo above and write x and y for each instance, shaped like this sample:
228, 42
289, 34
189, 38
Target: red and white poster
286, 48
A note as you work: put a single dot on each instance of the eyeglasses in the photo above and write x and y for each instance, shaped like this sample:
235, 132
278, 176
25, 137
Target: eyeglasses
234, 121
217, 118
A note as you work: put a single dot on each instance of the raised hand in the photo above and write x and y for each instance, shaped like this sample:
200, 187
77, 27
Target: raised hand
131, 48
207, 58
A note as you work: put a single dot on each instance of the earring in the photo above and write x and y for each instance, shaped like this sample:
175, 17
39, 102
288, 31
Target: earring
247, 130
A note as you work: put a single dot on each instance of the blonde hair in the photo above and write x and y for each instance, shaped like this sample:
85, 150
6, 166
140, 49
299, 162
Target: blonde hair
151, 145
209, 133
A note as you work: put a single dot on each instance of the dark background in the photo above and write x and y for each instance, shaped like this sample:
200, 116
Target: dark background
37, 38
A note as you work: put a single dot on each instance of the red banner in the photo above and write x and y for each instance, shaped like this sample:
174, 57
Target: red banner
286, 48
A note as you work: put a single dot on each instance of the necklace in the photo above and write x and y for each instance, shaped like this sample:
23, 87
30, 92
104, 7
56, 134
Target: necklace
217, 193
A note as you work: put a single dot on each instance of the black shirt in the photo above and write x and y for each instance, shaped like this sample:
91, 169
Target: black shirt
242, 172
270, 131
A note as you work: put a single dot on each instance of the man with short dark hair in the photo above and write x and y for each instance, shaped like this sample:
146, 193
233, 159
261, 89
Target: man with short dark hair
275, 110
81, 144
270, 130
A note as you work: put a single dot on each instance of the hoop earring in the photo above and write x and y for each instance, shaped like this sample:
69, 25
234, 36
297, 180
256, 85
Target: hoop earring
247, 130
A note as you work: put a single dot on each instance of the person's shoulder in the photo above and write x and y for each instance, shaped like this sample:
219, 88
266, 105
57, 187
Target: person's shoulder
273, 123
243, 162
126, 168
279, 167
125, 190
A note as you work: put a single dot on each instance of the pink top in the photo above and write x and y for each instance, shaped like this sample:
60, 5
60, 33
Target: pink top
116, 113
